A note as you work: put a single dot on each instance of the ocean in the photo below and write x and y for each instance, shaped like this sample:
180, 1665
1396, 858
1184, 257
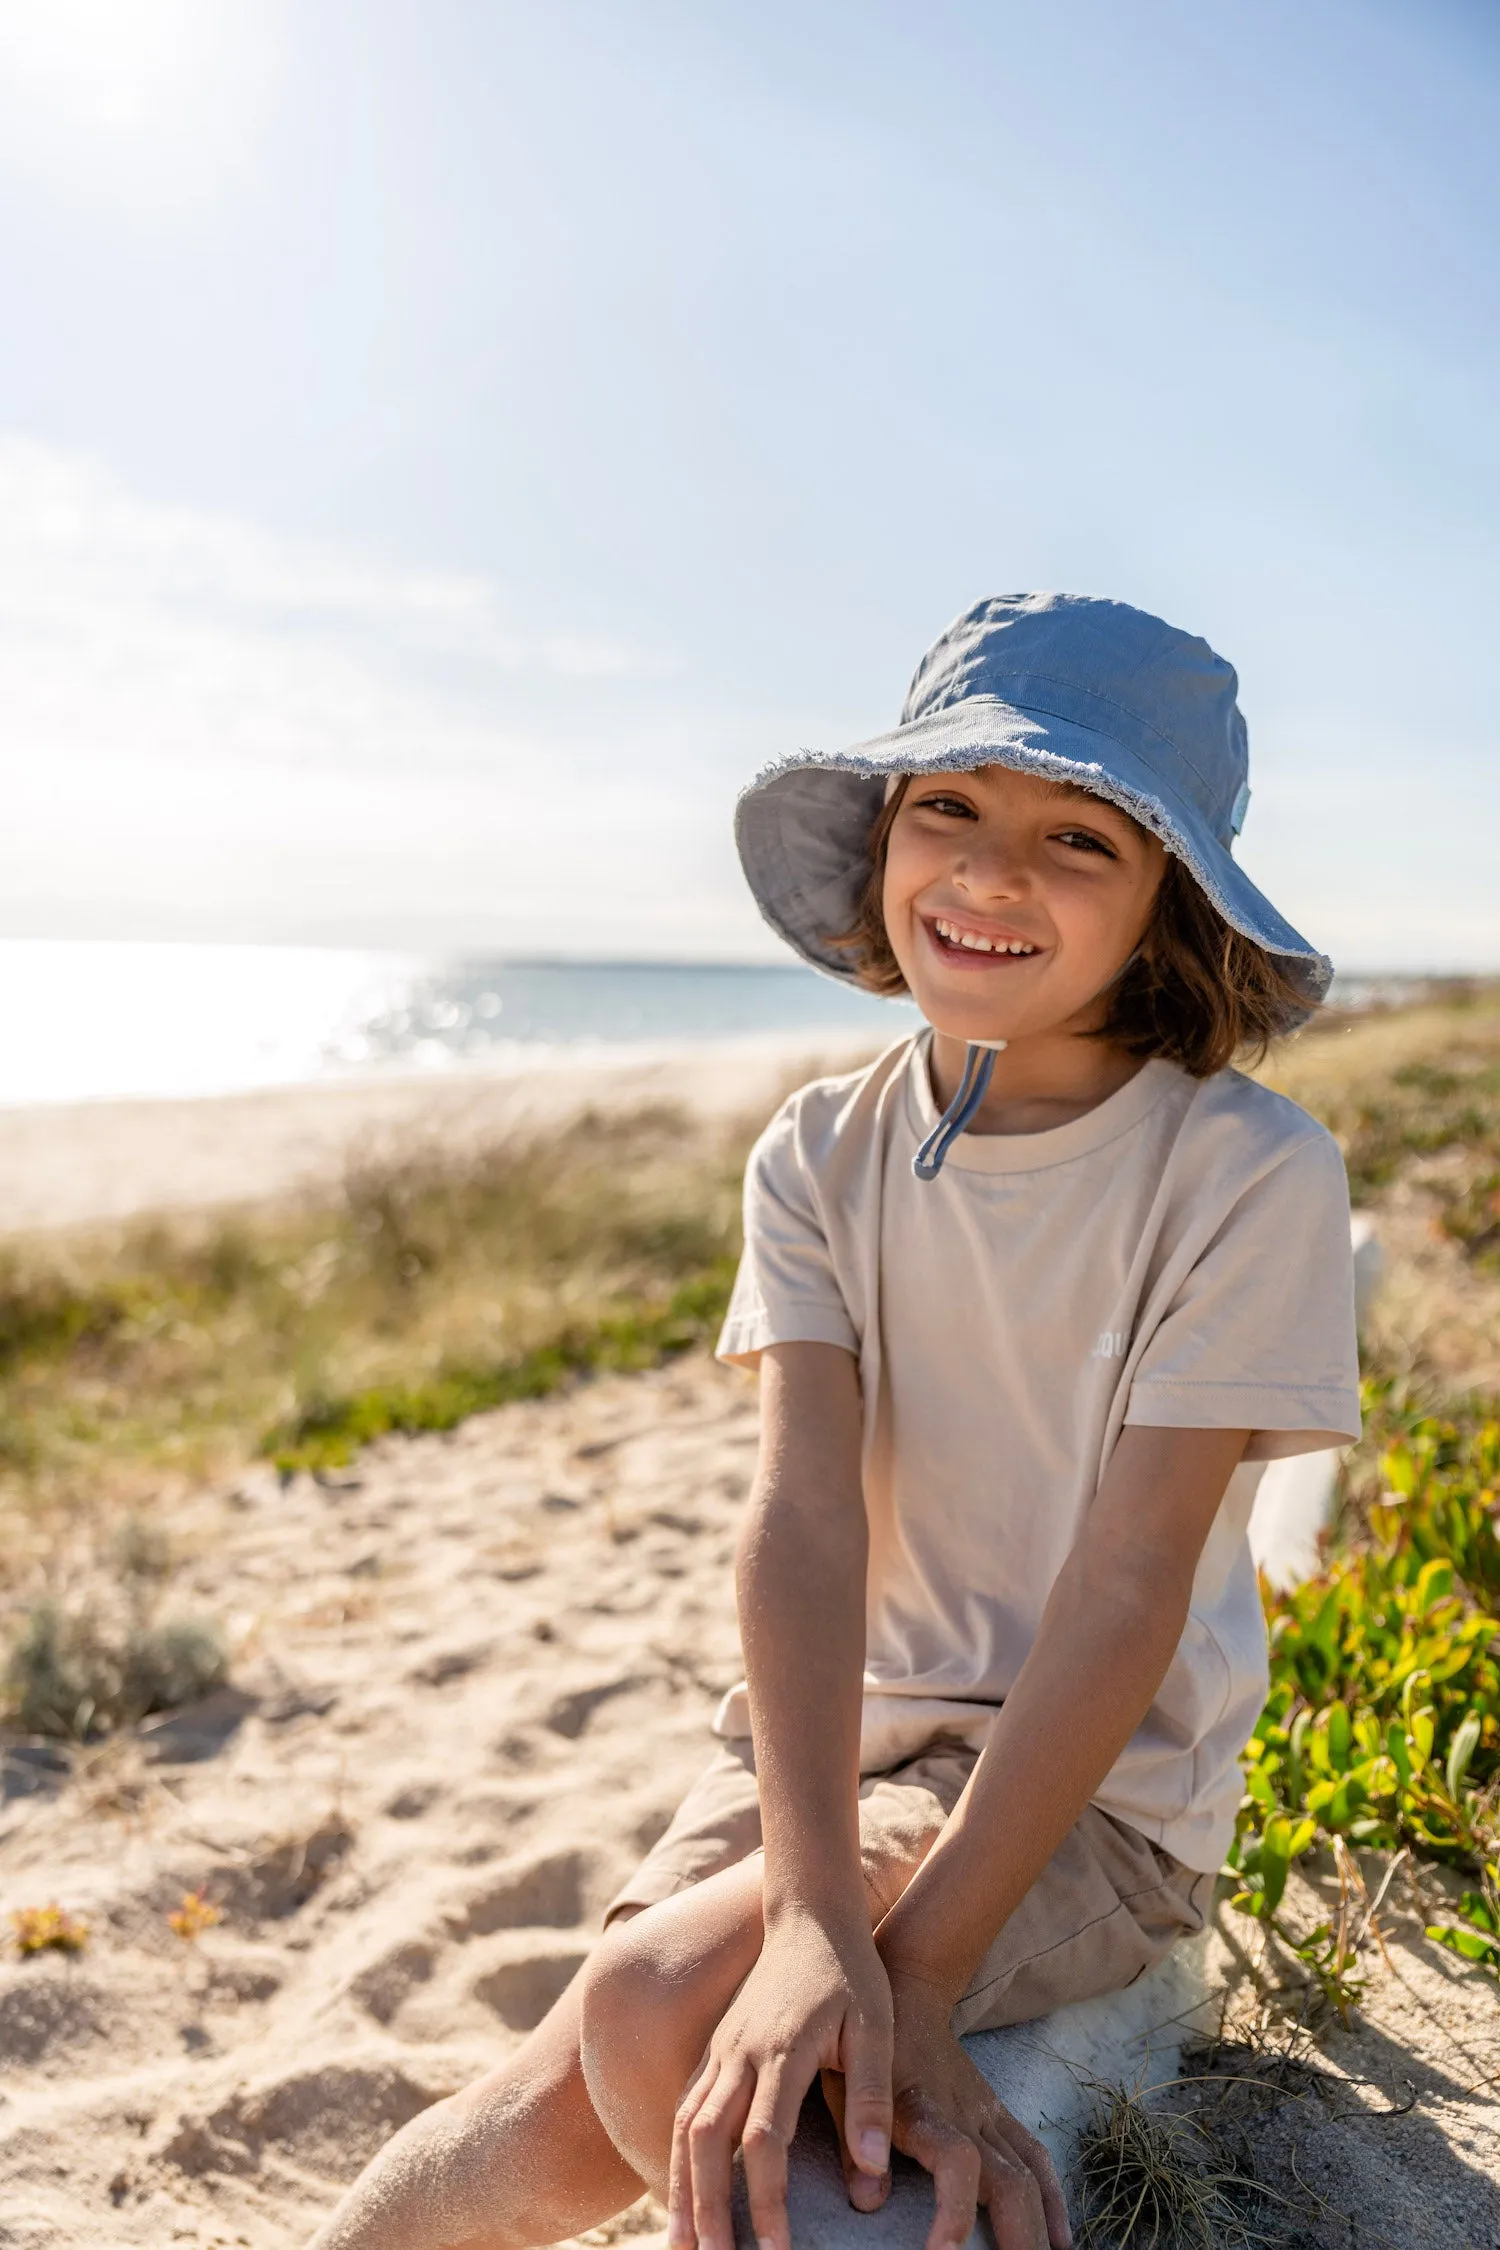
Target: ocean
91, 1020
87, 1020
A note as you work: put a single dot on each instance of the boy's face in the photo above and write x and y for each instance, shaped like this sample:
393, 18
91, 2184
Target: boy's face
1003, 860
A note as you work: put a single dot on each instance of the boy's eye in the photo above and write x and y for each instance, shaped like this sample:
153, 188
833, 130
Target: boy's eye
955, 807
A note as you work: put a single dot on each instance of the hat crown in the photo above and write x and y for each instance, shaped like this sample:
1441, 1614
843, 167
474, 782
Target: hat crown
1106, 666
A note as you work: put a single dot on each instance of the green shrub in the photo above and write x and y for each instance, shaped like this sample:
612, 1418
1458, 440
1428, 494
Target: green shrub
1382, 1726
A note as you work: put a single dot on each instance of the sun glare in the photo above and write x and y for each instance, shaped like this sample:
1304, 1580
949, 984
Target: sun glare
106, 63
131, 95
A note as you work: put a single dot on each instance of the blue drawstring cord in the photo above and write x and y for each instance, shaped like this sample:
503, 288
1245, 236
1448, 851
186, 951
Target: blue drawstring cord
979, 1063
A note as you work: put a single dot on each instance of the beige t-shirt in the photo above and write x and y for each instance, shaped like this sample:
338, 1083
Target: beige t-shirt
1179, 1257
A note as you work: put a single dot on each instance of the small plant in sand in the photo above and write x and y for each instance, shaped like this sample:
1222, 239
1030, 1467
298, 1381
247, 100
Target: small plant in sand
195, 1914
1382, 1728
1150, 2179
80, 1672
83, 1667
48, 1929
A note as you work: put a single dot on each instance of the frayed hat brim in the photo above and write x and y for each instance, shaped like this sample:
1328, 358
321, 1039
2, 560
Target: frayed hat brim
803, 824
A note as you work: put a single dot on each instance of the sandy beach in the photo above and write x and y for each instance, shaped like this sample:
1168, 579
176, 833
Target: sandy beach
471, 1682
90, 1163
470, 1678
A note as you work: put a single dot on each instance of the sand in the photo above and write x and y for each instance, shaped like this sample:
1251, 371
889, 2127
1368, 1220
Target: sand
87, 1163
472, 1679
472, 1682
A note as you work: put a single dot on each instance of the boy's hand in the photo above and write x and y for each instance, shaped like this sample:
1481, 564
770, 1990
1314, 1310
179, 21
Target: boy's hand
817, 1999
947, 2118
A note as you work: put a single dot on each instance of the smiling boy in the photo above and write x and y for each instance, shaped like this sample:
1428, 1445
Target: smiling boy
1031, 1298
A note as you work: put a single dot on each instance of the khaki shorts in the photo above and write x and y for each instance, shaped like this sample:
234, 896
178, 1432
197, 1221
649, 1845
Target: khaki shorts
1109, 1905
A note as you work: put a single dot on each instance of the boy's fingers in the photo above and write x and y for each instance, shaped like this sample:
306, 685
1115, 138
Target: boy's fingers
953, 2160
1012, 2197
867, 2095
864, 2191
766, 2138
1014, 2140
681, 2233
711, 2138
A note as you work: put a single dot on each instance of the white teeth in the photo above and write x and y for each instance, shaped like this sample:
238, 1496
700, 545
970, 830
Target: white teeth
974, 944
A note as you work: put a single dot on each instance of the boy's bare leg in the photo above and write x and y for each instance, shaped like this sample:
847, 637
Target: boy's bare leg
521, 2157
517, 2158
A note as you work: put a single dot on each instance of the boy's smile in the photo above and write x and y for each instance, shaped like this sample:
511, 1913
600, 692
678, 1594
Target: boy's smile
969, 944
1012, 904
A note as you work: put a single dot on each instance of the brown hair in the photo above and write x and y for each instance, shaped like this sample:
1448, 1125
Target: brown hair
1198, 992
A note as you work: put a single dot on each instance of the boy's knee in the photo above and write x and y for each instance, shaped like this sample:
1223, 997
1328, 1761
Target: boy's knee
636, 1999
648, 2007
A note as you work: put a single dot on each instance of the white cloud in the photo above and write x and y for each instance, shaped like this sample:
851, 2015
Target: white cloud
139, 627
207, 729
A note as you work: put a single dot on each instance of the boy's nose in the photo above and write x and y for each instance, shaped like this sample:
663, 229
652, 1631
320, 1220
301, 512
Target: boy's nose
993, 869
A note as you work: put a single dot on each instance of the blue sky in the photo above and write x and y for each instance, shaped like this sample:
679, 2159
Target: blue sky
446, 445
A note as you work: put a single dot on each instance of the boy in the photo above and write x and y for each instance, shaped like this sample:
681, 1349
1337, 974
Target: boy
1032, 1298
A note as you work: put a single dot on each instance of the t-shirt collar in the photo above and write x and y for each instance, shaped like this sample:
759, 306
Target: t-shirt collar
1033, 1152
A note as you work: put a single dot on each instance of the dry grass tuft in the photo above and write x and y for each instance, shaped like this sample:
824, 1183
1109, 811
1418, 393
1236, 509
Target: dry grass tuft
1190, 2164
81, 1668
1147, 2178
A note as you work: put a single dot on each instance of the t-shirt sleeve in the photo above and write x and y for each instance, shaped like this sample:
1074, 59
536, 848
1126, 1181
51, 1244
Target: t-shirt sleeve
1260, 1334
786, 1291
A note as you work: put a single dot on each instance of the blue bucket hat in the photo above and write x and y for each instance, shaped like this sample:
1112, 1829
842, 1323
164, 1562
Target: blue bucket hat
1064, 686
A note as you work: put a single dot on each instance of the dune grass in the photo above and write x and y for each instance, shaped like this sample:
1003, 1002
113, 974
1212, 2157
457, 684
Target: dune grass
435, 1286
327, 1432
427, 1289
1406, 1086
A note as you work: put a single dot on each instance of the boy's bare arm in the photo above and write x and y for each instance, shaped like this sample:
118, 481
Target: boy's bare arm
800, 1581
1108, 1634
818, 1997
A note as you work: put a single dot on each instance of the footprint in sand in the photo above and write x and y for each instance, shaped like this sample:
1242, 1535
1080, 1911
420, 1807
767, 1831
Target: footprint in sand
48, 2011
570, 1714
283, 1877
548, 1892
328, 2120
534, 1971
382, 1988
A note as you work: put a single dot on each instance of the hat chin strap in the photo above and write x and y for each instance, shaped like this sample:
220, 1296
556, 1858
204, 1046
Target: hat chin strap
979, 1064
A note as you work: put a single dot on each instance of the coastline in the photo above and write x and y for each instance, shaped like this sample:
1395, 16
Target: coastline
99, 1163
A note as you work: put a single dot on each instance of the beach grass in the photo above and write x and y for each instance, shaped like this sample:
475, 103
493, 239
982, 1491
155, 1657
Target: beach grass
436, 1285
1406, 1087
426, 1289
